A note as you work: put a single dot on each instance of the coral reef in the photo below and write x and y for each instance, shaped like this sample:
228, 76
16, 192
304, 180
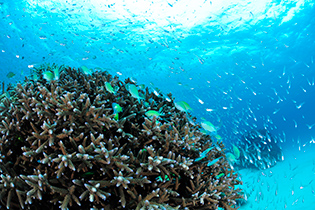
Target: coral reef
76, 140
258, 149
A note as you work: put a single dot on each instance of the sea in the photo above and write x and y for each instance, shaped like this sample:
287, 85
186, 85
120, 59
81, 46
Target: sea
240, 64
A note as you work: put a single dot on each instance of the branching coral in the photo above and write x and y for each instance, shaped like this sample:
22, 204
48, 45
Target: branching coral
62, 145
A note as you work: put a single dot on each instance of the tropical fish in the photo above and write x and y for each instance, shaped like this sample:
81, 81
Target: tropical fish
152, 113
56, 73
86, 70
208, 126
133, 90
109, 88
182, 106
219, 175
117, 109
10, 75
214, 161
48, 75
203, 154
236, 152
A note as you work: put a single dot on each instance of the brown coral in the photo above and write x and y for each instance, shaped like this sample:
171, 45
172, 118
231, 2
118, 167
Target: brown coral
62, 143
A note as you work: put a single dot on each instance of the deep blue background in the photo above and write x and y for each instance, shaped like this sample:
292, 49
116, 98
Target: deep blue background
244, 68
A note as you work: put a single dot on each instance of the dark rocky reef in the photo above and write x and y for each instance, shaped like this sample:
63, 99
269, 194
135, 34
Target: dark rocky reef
64, 146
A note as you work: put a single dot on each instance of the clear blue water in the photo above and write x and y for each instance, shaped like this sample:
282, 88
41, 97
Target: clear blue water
241, 65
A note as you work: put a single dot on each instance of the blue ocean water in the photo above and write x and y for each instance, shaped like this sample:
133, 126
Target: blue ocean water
241, 65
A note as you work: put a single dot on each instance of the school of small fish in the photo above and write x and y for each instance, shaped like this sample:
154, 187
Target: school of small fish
238, 67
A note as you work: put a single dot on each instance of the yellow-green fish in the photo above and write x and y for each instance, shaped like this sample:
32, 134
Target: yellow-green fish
117, 108
10, 74
182, 106
109, 88
152, 113
236, 152
48, 75
220, 175
86, 70
133, 90
208, 126
56, 73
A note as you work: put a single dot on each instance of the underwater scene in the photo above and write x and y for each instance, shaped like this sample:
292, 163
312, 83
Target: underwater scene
165, 104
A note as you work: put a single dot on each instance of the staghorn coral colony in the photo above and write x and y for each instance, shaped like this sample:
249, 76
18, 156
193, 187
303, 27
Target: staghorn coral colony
71, 140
